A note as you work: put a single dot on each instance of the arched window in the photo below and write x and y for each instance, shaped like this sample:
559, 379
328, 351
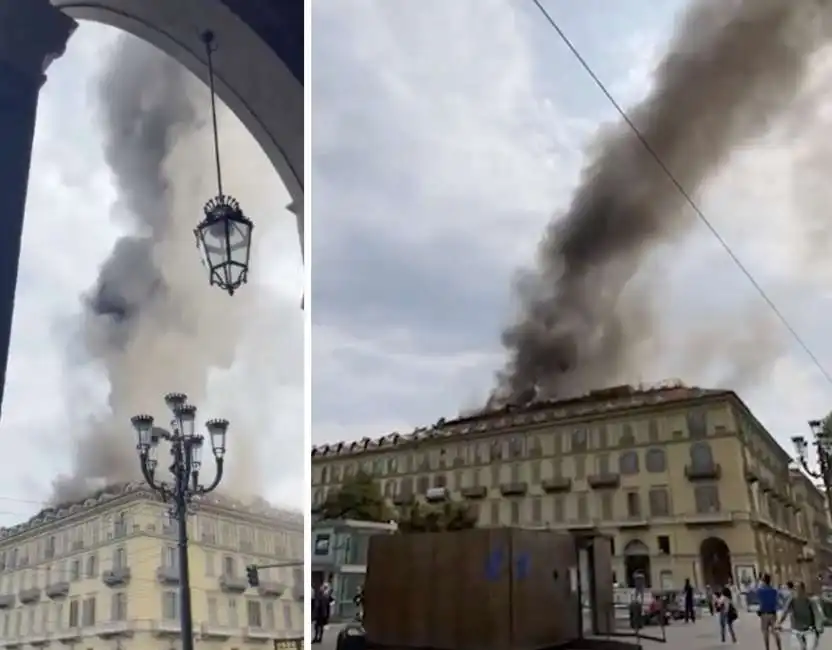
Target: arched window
701, 455
655, 460
628, 463
627, 438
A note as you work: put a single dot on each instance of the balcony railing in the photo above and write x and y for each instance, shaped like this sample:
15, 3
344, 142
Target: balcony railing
217, 632
474, 492
255, 633
271, 588
30, 595
233, 584
514, 488
59, 589
117, 576
7, 601
605, 480
707, 472
167, 575
166, 628
556, 484
113, 629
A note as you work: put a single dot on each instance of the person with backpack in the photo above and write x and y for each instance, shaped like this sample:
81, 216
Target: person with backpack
803, 617
727, 612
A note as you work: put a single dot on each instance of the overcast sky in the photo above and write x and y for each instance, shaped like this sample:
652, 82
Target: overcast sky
447, 134
68, 233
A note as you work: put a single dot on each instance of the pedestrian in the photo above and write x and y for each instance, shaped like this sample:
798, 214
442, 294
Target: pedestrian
709, 597
727, 612
801, 611
687, 590
321, 601
768, 597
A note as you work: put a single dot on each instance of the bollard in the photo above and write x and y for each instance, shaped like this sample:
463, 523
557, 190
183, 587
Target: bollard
351, 637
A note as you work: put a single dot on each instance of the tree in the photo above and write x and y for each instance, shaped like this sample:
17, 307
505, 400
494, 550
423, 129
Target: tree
359, 498
451, 515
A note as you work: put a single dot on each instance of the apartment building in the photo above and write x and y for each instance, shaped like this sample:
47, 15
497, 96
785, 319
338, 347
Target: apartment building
685, 480
103, 573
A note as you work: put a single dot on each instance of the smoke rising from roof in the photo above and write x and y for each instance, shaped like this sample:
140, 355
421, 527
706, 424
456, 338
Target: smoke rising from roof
151, 320
585, 316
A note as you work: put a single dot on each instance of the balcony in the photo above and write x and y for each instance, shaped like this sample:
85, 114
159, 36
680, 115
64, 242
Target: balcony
233, 584
557, 484
403, 499
764, 486
436, 495
514, 489
40, 639
257, 634
7, 601
751, 475
217, 632
68, 635
166, 628
167, 575
30, 595
14, 642
712, 471
270, 588
116, 577
633, 522
474, 492
694, 519
604, 481
114, 629
57, 590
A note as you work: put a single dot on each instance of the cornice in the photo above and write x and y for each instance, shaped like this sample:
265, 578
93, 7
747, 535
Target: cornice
595, 405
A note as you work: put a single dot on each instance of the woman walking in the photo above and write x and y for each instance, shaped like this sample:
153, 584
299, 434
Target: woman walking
727, 613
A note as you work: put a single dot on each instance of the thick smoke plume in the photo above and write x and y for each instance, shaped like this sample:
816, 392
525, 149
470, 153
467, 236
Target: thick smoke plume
732, 67
150, 320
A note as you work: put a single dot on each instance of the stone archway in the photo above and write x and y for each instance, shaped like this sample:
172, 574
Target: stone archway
715, 556
259, 76
637, 560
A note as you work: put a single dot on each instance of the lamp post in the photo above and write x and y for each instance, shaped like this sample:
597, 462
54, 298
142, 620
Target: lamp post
822, 442
186, 455
224, 235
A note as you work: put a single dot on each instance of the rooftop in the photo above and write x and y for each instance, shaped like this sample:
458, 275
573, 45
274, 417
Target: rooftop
593, 404
119, 491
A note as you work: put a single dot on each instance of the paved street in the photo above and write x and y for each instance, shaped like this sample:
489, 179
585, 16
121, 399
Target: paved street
702, 635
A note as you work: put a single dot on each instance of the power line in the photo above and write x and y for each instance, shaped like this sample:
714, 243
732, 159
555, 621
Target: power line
680, 188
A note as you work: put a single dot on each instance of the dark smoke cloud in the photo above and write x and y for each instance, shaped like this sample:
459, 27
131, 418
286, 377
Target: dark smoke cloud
732, 67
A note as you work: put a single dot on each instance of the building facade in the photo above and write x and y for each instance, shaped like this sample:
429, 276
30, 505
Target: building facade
104, 574
685, 481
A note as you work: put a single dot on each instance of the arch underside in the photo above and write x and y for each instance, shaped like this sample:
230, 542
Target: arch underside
260, 80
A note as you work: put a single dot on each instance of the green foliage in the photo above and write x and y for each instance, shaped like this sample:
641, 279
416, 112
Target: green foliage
359, 498
421, 518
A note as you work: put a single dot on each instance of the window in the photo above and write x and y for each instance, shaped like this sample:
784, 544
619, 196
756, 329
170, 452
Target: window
170, 605
664, 544
659, 502
534, 448
515, 513
583, 513
75, 570
88, 612
232, 612
120, 558
120, 525
50, 548
229, 567
606, 505
579, 440
170, 557
92, 566
495, 475
557, 509
253, 613
439, 481
536, 510
422, 485
653, 431
118, 606
515, 448
287, 617
603, 437
655, 460
707, 498
209, 565
534, 470
268, 608
627, 438
633, 504
603, 464
697, 421
701, 456
557, 467
213, 616
495, 513
628, 463
580, 467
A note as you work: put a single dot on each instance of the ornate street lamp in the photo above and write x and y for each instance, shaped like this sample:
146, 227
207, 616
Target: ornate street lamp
186, 454
224, 235
822, 442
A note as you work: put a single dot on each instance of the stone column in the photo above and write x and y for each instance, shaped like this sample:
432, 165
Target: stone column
32, 34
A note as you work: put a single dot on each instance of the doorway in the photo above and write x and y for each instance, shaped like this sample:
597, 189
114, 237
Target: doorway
637, 563
716, 562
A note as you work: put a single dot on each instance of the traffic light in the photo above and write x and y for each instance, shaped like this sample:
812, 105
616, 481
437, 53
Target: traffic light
253, 575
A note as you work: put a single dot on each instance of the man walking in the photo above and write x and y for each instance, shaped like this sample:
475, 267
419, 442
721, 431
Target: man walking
687, 591
768, 598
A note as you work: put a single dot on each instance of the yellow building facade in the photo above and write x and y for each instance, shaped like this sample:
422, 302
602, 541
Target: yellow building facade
104, 574
685, 481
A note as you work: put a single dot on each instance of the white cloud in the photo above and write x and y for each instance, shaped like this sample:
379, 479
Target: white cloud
67, 235
442, 146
